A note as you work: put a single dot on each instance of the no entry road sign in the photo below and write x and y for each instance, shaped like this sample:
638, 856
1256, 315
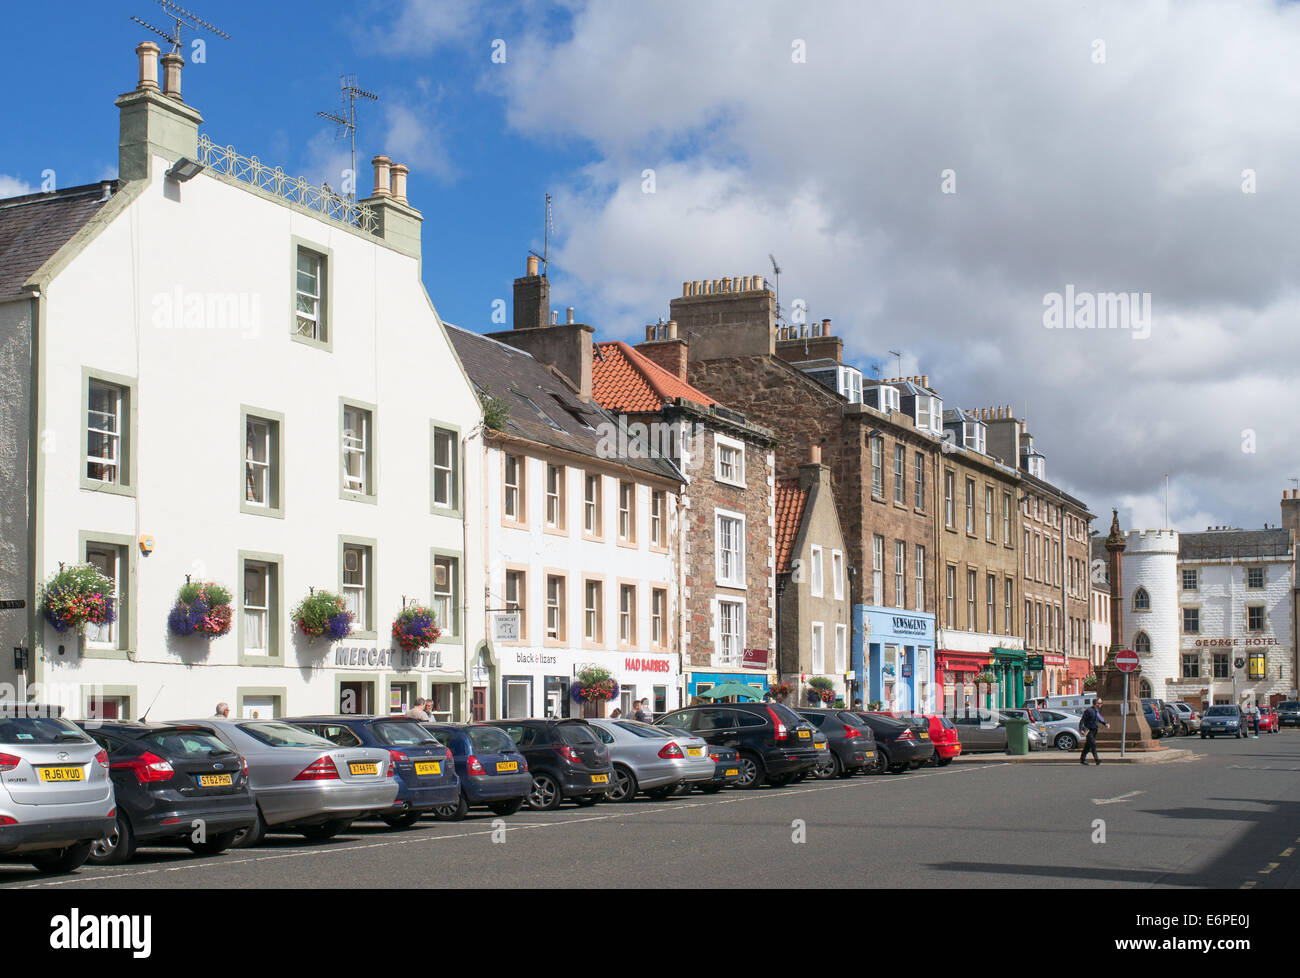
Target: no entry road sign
1126, 661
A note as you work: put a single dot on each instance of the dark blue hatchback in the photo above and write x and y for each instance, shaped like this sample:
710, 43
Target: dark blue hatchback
491, 769
426, 776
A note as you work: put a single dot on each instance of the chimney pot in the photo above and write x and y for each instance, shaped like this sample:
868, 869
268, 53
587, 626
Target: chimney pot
172, 64
826, 327
555, 317
148, 55
382, 165
399, 172
650, 332
568, 315
686, 288
758, 282
726, 283
531, 266
814, 455
672, 329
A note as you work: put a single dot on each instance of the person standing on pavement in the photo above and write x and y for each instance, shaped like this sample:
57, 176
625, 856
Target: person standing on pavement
642, 713
1254, 722
420, 711
223, 711
1088, 724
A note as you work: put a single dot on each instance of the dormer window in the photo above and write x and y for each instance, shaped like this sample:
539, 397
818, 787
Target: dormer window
974, 436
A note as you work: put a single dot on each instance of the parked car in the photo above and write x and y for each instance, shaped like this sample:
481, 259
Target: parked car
302, 783
1288, 713
1172, 720
900, 746
985, 731
56, 797
1036, 733
422, 765
1060, 729
566, 759
1268, 720
1188, 718
1222, 719
775, 744
726, 766
650, 759
850, 744
490, 767
1155, 720
943, 734
165, 778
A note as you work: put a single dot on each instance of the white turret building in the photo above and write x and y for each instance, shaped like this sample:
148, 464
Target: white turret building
1151, 606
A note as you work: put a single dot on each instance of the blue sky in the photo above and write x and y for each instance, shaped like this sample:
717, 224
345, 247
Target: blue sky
1137, 146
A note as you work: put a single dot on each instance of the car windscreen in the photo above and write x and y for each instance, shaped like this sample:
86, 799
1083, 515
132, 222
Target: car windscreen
947, 724
643, 730
1289, 705
184, 743
577, 733
283, 735
40, 730
1221, 711
402, 733
489, 740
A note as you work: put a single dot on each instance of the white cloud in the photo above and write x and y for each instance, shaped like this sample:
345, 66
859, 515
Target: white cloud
1117, 176
14, 187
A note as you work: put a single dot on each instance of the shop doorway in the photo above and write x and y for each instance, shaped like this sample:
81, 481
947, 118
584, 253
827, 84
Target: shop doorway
478, 704
558, 703
518, 696
357, 697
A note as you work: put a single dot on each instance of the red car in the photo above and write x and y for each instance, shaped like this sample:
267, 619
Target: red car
943, 734
1268, 721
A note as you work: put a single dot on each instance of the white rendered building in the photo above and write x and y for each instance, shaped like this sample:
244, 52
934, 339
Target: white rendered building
1151, 605
231, 376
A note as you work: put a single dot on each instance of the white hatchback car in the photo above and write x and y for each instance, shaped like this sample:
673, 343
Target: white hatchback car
56, 799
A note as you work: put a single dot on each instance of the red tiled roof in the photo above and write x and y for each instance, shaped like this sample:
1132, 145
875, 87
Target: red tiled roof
790, 500
624, 381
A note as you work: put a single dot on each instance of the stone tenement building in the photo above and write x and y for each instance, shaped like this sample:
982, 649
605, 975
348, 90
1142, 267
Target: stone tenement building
881, 463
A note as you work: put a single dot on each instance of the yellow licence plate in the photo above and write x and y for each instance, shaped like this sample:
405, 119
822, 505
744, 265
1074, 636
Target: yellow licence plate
215, 780
820, 746
428, 767
364, 767
925, 736
804, 734
507, 765
600, 779
62, 774
732, 771
695, 751
871, 753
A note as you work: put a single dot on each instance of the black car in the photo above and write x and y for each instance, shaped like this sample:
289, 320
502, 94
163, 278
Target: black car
175, 784
726, 766
566, 759
1155, 720
775, 744
1288, 713
422, 765
851, 744
899, 745
491, 769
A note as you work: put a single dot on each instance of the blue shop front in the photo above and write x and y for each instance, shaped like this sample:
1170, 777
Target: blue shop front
893, 658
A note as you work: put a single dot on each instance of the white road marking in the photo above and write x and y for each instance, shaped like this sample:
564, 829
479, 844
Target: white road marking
1116, 799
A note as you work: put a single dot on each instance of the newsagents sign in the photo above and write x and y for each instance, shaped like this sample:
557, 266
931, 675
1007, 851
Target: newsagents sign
907, 625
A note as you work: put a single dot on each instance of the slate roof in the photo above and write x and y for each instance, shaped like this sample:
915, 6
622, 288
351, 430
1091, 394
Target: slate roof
790, 503
544, 407
625, 381
1218, 544
34, 227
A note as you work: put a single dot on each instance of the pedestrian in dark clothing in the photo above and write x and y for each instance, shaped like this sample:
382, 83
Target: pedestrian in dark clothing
1088, 724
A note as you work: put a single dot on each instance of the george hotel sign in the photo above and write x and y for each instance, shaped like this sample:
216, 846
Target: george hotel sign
360, 656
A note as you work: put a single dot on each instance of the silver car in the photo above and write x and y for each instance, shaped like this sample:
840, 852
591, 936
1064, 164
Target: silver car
1187, 717
651, 759
1060, 729
56, 799
304, 783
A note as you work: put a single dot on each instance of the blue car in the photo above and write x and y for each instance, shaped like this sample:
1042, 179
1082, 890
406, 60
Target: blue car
491, 769
1222, 720
426, 776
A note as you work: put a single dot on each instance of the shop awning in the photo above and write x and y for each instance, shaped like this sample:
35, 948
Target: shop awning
1009, 655
732, 688
961, 661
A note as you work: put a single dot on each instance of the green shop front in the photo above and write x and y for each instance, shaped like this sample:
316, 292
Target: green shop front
1009, 667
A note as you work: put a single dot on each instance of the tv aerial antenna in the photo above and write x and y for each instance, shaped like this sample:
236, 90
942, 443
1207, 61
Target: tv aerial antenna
546, 236
346, 117
896, 353
776, 275
183, 19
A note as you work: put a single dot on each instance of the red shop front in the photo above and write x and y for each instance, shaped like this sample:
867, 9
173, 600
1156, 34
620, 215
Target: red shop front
1080, 669
955, 672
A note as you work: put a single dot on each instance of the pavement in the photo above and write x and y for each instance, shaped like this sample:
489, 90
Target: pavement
1227, 818
1051, 756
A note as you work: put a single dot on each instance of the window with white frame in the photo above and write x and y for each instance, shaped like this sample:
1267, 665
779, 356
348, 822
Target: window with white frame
592, 611
591, 520
918, 587
1255, 578
310, 305
627, 511
1009, 588
357, 461
731, 549
658, 617
818, 648
258, 583
950, 602
555, 496
900, 474
988, 513
877, 570
837, 573
555, 616
731, 631
815, 564
517, 596
970, 505
627, 614
918, 482
949, 504
970, 601
109, 560
257, 461
356, 584
729, 460
991, 586
900, 571
877, 467
1006, 518
841, 649
1191, 579
446, 577
105, 408
513, 498
658, 514
444, 468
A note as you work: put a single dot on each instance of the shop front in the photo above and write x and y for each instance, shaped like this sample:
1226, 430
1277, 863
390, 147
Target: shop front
893, 658
957, 694
1078, 670
541, 682
753, 673
1009, 666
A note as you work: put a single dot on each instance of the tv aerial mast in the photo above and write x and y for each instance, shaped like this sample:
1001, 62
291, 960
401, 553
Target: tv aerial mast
346, 117
776, 275
182, 18
546, 236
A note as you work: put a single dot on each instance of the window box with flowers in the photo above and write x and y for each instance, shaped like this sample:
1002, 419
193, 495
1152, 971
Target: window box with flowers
202, 608
822, 689
322, 613
77, 596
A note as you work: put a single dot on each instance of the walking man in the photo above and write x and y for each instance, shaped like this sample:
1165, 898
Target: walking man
1088, 724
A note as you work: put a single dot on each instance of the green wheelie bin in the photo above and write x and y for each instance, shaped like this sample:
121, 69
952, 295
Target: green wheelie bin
1017, 735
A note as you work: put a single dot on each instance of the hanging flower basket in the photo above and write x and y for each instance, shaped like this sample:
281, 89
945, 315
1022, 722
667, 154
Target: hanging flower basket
594, 685
1029, 679
780, 690
201, 608
823, 688
1090, 681
985, 679
322, 613
78, 596
414, 628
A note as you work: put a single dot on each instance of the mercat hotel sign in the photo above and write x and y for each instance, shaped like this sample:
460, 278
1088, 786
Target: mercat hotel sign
355, 656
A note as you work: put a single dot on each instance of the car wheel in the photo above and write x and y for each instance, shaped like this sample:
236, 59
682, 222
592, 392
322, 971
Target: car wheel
546, 794
215, 845
1066, 742
751, 772
624, 786
507, 807
827, 767
253, 835
64, 860
116, 847
449, 813
407, 819
326, 830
